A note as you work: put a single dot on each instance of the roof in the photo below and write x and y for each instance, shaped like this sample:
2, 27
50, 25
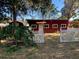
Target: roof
47, 21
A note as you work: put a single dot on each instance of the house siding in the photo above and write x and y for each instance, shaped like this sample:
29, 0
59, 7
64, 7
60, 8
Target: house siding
50, 22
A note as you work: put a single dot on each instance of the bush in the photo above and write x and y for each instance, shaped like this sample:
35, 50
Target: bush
18, 33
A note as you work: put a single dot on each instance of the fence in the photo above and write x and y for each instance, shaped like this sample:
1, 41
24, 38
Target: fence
38, 38
69, 35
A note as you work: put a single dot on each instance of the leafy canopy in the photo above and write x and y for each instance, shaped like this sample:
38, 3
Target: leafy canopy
21, 7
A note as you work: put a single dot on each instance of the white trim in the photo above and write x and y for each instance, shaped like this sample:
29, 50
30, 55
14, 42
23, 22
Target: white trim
47, 25
63, 25
53, 25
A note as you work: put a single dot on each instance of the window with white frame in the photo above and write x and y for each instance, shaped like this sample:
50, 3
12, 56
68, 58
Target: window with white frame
54, 25
46, 25
63, 25
34, 26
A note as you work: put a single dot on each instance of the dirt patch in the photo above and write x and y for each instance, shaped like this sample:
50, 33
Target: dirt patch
51, 49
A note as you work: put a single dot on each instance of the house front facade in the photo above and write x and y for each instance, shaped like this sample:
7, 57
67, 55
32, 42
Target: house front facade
50, 26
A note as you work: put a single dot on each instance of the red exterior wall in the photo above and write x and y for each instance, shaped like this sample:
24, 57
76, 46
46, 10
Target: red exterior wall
50, 22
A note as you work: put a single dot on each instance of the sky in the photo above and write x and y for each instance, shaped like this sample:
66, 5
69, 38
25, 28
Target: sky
59, 4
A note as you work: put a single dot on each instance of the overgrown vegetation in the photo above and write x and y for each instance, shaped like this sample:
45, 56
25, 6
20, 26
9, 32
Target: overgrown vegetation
75, 24
16, 35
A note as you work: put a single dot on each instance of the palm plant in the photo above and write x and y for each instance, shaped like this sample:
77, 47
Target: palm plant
18, 33
16, 36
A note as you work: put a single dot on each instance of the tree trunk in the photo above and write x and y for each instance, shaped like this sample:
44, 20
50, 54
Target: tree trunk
14, 13
14, 21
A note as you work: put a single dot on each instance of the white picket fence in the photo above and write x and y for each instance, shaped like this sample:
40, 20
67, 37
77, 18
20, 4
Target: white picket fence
38, 38
69, 35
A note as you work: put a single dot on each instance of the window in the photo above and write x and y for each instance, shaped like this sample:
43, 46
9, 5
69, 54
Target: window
63, 25
54, 25
46, 25
34, 26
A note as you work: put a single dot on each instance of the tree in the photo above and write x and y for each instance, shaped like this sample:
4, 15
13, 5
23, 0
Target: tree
12, 7
13, 31
20, 7
69, 9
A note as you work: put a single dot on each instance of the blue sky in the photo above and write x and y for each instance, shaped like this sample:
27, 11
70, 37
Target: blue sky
59, 4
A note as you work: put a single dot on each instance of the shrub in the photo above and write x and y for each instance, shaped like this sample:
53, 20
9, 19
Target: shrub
18, 34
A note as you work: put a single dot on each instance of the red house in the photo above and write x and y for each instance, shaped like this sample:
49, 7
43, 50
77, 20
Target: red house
50, 26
